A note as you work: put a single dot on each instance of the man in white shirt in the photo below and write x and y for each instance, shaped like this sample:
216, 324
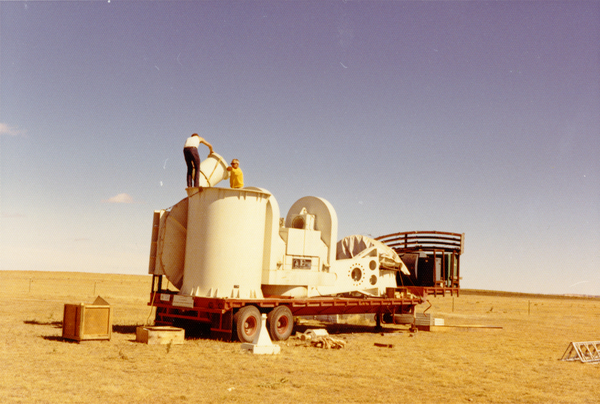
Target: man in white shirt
192, 158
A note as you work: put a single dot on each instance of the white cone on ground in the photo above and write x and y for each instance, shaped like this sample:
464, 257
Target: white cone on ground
262, 343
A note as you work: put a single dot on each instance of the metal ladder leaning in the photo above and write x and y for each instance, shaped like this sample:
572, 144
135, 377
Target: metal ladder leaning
582, 351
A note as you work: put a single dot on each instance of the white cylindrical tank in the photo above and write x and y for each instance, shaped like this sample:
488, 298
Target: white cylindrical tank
225, 243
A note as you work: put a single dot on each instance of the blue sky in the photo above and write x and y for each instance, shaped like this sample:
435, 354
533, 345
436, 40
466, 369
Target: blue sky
467, 116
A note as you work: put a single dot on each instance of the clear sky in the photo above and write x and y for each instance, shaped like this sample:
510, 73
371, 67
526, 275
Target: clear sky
480, 117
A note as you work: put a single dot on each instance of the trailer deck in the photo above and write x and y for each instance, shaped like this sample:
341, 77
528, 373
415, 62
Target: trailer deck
432, 257
219, 313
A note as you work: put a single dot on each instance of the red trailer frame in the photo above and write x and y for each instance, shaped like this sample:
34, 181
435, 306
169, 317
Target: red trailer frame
228, 317
219, 313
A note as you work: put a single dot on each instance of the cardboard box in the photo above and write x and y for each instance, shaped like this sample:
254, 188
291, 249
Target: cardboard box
82, 322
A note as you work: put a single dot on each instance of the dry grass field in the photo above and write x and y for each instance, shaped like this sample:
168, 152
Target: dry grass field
518, 363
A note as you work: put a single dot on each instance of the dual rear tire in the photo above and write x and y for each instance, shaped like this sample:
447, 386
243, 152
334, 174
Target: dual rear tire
280, 323
247, 322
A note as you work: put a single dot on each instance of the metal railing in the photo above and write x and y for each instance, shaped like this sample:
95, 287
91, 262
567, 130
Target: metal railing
440, 251
411, 241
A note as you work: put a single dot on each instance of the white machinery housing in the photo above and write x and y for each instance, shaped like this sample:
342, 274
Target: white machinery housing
231, 243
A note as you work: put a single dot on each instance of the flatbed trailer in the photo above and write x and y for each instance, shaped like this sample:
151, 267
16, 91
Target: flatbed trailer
284, 268
231, 318
433, 258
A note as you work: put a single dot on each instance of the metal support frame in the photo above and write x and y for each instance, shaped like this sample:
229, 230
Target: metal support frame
588, 352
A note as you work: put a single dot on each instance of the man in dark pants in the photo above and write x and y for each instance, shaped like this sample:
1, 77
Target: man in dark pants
192, 158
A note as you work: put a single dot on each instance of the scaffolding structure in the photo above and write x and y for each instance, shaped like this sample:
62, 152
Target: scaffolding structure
588, 352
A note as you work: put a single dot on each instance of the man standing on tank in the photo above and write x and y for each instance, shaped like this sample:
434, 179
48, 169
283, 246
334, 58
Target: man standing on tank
192, 158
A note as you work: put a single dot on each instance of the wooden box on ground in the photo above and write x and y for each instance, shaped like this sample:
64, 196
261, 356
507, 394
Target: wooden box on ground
423, 322
83, 322
156, 335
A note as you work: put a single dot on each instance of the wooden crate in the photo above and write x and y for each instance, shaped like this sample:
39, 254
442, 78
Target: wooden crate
82, 322
423, 322
157, 335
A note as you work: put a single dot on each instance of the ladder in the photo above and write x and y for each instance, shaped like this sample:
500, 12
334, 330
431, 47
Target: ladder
582, 351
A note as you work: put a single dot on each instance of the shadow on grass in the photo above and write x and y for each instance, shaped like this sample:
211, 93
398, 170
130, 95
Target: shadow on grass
125, 329
341, 328
202, 331
59, 339
55, 324
120, 329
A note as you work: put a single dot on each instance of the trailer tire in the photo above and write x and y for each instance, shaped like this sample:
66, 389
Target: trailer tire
280, 322
247, 323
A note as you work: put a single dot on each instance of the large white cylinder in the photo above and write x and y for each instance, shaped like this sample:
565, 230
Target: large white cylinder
225, 243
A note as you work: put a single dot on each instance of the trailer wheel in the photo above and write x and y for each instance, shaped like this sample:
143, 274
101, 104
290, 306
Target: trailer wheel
247, 323
280, 322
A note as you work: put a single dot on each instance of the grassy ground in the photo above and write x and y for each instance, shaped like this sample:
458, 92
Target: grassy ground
518, 363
